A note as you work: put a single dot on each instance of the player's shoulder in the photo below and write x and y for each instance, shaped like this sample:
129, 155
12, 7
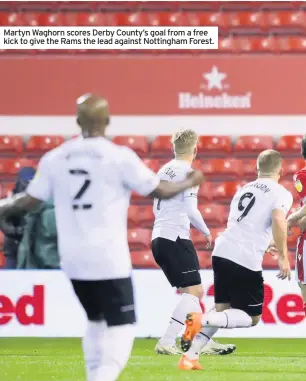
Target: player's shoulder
178, 168
280, 189
301, 174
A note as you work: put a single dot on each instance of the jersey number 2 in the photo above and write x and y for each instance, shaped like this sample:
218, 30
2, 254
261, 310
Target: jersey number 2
77, 198
248, 207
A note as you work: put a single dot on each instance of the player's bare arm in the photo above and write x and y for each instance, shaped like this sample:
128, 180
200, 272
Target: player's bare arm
17, 204
295, 217
279, 231
167, 190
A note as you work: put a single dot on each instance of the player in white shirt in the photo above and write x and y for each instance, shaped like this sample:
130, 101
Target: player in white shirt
90, 180
173, 249
257, 214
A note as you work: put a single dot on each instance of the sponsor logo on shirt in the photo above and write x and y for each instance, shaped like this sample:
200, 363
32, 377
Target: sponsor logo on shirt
298, 185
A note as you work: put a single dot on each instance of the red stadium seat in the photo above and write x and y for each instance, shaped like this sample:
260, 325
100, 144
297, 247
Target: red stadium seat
204, 259
252, 145
246, 19
206, 191
283, 19
291, 166
215, 232
289, 185
40, 144
214, 145
249, 168
139, 239
226, 190
51, 19
214, 214
224, 168
98, 19
146, 216
11, 19
292, 238
198, 239
6, 189
2, 259
137, 143
11, 145
9, 167
289, 144
143, 260
270, 261
133, 216
152, 164
161, 146
292, 44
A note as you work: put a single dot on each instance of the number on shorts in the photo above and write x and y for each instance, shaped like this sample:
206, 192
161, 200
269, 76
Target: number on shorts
158, 204
77, 198
248, 207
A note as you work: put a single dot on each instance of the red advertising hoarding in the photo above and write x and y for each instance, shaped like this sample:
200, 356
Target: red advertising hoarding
168, 85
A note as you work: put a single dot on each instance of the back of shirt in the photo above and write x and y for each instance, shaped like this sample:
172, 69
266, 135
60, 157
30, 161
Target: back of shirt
249, 228
171, 220
91, 181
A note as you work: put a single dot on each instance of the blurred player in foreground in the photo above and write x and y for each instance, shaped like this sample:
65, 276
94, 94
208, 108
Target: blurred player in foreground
257, 214
299, 218
90, 180
173, 249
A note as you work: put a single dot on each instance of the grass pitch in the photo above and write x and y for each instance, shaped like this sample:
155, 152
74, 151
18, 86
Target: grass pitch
62, 360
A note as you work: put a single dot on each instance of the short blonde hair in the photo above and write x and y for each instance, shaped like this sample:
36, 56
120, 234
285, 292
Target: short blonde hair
269, 161
184, 141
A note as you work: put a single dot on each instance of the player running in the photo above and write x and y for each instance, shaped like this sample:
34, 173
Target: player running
298, 218
174, 251
90, 180
257, 214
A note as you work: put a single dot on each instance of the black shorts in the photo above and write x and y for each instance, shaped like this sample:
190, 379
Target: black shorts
110, 300
178, 260
240, 287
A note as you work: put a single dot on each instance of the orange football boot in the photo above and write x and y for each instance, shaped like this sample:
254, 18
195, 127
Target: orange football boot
193, 327
187, 364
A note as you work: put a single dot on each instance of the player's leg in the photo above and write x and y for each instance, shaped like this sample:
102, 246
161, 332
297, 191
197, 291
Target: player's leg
193, 341
180, 264
246, 292
110, 334
303, 292
300, 267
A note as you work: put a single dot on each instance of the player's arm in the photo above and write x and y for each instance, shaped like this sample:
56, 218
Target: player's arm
139, 178
279, 231
194, 215
295, 217
38, 190
165, 189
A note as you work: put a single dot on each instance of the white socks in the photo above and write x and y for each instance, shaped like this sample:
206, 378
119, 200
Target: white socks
200, 341
107, 350
188, 303
231, 318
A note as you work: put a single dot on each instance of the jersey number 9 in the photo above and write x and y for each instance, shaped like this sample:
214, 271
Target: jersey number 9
245, 209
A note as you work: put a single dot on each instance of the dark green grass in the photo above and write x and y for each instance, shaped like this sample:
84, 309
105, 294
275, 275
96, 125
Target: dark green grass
62, 360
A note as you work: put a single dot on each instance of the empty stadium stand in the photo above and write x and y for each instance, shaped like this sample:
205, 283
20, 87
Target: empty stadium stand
244, 27
227, 161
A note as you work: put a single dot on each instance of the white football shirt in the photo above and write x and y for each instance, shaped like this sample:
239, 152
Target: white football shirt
171, 219
249, 228
90, 181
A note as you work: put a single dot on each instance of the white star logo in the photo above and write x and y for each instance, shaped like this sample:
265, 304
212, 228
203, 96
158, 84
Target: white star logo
214, 79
